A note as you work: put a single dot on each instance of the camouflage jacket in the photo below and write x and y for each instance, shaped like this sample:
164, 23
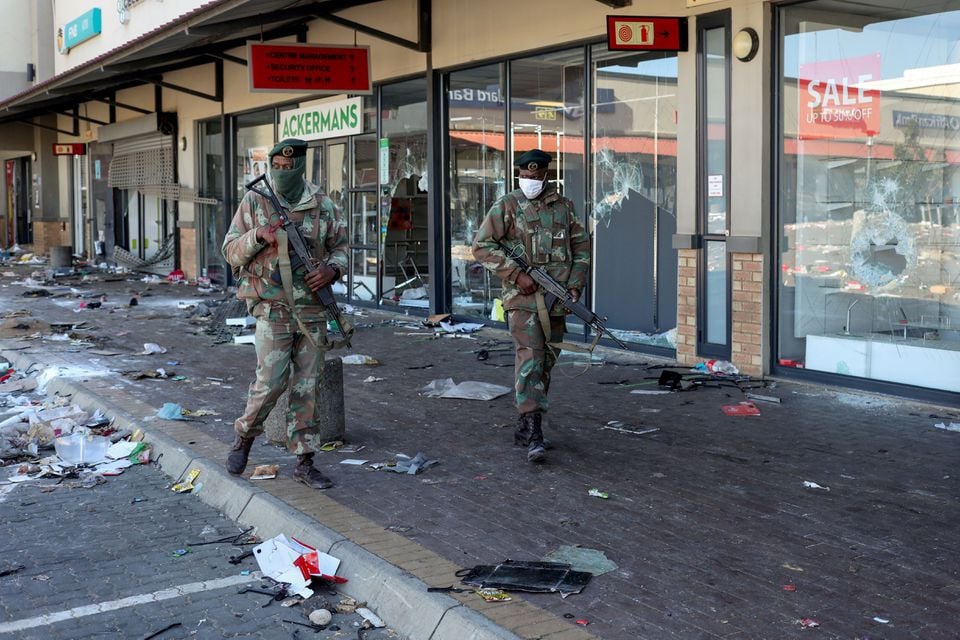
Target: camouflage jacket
551, 235
324, 229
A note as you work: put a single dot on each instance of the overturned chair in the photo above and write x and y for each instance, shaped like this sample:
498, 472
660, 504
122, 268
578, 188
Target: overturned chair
160, 263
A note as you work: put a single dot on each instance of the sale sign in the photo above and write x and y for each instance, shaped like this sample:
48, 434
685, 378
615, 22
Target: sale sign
835, 101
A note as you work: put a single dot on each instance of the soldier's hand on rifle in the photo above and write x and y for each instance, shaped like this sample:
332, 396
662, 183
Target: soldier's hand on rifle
526, 284
321, 277
267, 234
574, 294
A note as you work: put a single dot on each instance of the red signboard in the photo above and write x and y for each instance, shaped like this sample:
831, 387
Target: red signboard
835, 101
69, 149
635, 33
315, 68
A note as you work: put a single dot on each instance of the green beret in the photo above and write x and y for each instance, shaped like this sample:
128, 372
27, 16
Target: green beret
290, 148
533, 160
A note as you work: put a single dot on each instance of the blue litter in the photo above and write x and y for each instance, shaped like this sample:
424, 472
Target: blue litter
170, 411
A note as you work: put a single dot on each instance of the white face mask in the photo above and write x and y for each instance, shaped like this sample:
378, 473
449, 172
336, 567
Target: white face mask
531, 188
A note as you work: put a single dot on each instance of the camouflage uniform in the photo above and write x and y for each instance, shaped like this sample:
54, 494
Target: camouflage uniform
279, 337
553, 238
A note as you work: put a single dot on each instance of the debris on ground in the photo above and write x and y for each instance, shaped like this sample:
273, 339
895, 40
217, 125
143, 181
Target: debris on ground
596, 493
534, 577
359, 358
617, 425
592, 561
405, 464
467, 390
813, 485
290, 561
953, 426
741, 409
265, 472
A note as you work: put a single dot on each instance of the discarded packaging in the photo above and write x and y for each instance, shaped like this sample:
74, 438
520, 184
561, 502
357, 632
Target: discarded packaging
814, 485
761, 398
596, 493
265, 472
535, 577
288, 560
170, 411
467, 390
187, 484
411, 466
741, 409
494, 595
953, 426
78, 448
592, 561
371, 617
150, 348
358, 358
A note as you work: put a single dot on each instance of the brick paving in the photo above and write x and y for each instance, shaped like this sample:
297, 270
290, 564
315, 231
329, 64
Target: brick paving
708, 518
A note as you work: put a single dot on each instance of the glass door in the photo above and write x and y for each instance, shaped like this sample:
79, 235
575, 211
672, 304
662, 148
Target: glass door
362, 222
213, 219
713, 153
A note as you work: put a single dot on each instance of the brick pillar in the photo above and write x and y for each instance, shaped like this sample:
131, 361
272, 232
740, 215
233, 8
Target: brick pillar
687, 306
747, 313
188, 253
46, 234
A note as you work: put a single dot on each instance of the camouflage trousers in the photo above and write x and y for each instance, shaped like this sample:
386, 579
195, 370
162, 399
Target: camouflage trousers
285, 357
534, 360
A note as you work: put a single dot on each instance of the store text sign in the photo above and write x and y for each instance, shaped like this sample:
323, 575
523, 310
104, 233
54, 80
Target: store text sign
315, 68
834, 100
634, 33
79, 30
69, 149
327, 120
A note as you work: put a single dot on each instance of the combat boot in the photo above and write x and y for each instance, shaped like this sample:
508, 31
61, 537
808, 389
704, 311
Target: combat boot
521, 435
239, 452
536, 451
309, 475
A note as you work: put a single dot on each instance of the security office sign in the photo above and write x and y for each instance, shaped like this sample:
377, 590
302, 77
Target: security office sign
315, 68
635, 33
835, 101
327, 120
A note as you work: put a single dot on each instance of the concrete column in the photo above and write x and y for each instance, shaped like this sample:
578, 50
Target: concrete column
330, 408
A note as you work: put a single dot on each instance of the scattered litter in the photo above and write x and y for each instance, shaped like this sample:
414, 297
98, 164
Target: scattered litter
789, 587
953, 426
741, 409
583, 622
814, 485
265, 472
123, 449
408, 465
435, 319
349, 605
650, 392
150, 348
718, 366
881, 620
179, 553
320, 617
370, 617
80, 448
288, 560
373, 379
596, 493
535, 577
187, 485
761, 398
332, 445
494, 595
467, 390
249, 338
792, 567
354, 461
808, 623
247, 321
351, 448
359, 358
616, 425
171, 411
582, 559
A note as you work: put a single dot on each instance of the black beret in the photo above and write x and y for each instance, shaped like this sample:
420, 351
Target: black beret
290, 148
533, 160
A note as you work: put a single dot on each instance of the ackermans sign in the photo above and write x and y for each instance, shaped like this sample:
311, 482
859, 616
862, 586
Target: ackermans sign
327, 120
834, 100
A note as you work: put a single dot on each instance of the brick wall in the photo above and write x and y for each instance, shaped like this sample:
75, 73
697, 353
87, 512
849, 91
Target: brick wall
188, 252
687, 306
747, 313
46, 234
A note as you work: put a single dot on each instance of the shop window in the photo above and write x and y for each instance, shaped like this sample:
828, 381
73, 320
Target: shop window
869, 241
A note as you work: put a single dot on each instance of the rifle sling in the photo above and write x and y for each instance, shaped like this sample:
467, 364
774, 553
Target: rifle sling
286, 277
544, 314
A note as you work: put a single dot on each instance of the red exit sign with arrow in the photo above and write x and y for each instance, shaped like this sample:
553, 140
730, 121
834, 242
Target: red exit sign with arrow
315, 68
635, 33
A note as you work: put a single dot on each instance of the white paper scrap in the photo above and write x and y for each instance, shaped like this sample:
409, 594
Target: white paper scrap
354, 461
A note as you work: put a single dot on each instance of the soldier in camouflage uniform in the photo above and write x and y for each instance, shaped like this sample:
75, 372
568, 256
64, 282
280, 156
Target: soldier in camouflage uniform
290, 342
537, 219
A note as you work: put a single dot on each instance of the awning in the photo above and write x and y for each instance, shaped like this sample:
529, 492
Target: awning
199, 37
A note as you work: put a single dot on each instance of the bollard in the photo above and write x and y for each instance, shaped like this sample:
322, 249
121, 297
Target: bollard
330, 410
61, 257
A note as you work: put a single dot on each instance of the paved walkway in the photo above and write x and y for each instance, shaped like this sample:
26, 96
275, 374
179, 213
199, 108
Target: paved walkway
709, 519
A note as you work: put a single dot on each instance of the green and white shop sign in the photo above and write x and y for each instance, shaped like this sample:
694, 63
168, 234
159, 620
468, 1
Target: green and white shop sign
326, 120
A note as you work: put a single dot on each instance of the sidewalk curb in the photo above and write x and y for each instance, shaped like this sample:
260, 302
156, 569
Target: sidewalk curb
395, 594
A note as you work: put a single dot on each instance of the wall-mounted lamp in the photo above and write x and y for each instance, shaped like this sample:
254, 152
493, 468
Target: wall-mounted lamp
746, 44
183, 143
33, 156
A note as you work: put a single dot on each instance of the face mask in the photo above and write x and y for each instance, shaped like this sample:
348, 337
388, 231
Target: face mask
289, 182
531, 188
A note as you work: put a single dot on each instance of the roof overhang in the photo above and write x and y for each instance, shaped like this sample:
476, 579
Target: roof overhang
203, 36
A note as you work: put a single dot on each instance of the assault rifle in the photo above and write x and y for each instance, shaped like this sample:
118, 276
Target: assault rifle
554, 291
300, 254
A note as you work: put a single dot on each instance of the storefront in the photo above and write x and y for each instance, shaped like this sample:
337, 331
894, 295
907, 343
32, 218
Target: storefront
868, 151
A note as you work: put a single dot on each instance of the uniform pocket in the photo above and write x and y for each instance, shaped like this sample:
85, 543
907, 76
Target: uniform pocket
541, 245
560, 245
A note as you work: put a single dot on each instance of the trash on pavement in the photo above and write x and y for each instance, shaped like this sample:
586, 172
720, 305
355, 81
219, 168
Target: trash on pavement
535, 577
617, 425
582, 622
150, 348
373, 379
370, 617
592, 561
596, 493
762, 398
408, 465
79, 448
179, 553
741, 409
186, 485
953, 426
813, 485
354, 461
650, 392
436, 319
359, 358
170, 411
808, 623
467, 390
288, 560
265, 472
881, 620
718, 366
349, 605
494, 595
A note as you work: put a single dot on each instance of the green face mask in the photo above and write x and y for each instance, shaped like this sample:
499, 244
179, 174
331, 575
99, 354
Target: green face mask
289, 182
